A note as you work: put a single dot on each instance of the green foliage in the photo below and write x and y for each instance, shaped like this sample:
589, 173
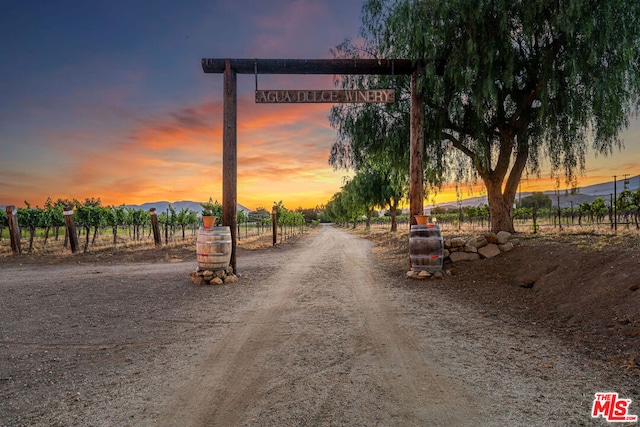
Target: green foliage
438, 210
596, 210
628, 202
260, 216
29, 217
55, 213
115, 215
186, 217
309, 214
89, 214
335, 210
505, 83
211, 208
523, 213
536, 199
286, 217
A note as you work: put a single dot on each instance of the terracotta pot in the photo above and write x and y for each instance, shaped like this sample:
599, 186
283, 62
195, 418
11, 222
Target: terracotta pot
421, 219
208, 221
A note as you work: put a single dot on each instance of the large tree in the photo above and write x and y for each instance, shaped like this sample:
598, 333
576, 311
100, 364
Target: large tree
507, 83
373, 139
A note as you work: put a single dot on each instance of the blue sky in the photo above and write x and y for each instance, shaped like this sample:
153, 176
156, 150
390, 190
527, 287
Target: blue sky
108, 99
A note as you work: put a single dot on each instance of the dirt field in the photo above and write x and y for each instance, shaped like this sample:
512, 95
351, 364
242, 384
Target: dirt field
323, 330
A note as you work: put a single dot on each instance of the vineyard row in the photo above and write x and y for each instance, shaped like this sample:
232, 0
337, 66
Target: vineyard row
91, 221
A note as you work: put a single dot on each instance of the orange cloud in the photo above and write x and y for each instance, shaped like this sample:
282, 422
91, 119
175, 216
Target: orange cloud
282, 154
192, 129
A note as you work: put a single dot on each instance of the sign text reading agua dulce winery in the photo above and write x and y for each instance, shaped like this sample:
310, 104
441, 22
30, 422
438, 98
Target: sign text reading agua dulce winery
325, 96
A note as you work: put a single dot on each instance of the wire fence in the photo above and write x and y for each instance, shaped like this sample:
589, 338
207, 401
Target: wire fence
49, 240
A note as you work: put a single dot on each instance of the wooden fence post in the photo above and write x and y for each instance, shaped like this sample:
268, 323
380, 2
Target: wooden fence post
156, 228
71, 229
274, 224
14, 230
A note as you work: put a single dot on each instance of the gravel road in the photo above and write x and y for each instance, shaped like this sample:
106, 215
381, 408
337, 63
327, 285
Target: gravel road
314, 333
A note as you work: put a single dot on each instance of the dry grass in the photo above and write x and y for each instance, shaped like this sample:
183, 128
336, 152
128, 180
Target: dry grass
126, 245
592, 239
104, 243
587, 238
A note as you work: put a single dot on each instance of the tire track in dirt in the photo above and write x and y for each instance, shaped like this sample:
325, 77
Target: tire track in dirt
322, 344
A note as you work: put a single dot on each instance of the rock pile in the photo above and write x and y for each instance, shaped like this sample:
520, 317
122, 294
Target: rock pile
487, 245
420, 275
208, 277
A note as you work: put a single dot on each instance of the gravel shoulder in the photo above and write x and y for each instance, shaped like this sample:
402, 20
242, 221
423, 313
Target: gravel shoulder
323, 330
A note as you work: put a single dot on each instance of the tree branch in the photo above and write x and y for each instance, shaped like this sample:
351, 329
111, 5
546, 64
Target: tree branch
477, 163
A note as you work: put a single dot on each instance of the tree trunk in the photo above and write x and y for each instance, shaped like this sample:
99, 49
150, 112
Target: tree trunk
499, 207
501, 201
87, 233
32, 233
393, 210
95, 234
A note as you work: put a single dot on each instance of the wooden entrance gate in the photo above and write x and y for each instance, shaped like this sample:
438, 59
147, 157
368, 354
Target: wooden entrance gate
231, 67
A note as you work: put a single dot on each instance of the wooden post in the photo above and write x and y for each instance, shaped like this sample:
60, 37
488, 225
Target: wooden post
71, 229
229, 157
614, 205
166, 229
274, 224
416, 149
14, 230
156, 228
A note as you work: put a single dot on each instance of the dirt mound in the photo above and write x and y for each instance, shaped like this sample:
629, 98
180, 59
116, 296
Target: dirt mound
584, 288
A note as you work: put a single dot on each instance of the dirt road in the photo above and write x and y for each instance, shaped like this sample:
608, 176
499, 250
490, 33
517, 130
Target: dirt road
315, 333
321, 345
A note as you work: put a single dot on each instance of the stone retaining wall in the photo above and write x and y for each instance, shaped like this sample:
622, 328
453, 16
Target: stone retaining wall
486, 245
456, 249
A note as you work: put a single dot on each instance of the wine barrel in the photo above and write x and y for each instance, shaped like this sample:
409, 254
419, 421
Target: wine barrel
426, 248
213, 248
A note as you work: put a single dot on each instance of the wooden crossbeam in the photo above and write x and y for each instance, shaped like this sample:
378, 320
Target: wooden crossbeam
310, 66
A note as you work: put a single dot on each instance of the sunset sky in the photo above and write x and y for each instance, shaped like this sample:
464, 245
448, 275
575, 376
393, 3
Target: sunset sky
108, 99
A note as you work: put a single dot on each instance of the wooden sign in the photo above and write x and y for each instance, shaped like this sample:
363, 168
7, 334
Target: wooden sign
325, 96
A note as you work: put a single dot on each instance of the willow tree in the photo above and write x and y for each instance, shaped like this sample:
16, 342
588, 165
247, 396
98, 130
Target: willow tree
373, 139
507, 83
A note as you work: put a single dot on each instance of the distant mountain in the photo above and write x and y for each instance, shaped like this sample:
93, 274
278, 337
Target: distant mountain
186, 204
164, 205
606, 188
582, 194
